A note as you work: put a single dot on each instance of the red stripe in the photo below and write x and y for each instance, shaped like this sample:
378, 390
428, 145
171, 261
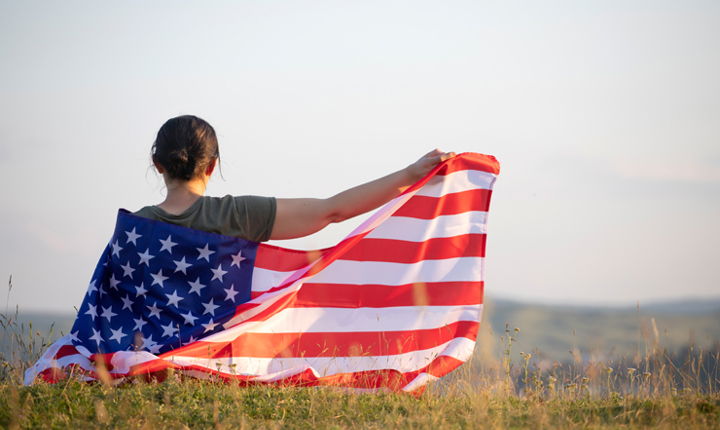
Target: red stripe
331, 344
465, 161
65, 351
378, 296
285, 260
348, 247
400, 251
371, 379
385, 378
322, 262
426, 207
313, 295
470, 161
52, 375
382, 378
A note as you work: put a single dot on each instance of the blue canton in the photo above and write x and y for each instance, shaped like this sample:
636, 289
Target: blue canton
159, 286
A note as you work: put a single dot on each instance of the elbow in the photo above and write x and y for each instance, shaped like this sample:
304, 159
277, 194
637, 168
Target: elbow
335, 211
335, 218
336, 215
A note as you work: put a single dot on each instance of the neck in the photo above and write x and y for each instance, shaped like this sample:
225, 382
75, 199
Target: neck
182, 194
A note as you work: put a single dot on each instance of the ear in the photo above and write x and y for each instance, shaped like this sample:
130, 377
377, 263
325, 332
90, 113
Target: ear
158, 166
211, 167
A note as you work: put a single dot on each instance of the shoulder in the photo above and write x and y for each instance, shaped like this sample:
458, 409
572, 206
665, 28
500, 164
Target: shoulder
237, 205
147, 212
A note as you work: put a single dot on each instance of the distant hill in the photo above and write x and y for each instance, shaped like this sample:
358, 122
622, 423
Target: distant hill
684, 307
602, 331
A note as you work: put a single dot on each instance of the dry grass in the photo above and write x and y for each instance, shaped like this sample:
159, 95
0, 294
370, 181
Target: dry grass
645, 387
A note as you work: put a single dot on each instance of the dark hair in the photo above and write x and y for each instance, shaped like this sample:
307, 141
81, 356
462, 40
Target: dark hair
185, 146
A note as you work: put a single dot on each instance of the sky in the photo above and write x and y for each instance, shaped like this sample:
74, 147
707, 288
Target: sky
605, 117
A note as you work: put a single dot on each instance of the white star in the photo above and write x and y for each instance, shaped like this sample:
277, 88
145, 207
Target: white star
145, 257
210, 326
117, 335
73, 336
196, 286
167, 244
139, 323
114, 282
148, 342
92, 311
205, 253
96, 337
169, 330
210, 307
127, 270
108, 313
189, 318
91, 287
154, 348
173, 299
141, 290
116, 249
231, 293
158, 279
181, 265
237, 259
127, 303
191, 340
132, 236
218, 273
154, 310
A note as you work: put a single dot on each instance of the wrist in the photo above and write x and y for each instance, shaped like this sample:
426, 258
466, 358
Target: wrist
410, 175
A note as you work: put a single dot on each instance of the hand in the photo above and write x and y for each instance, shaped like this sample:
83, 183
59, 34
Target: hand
427, 162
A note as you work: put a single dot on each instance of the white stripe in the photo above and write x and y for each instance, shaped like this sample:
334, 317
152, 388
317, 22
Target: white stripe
367, 272
409, 229
437, 186
48, 360
383, 273
463, 180
265, 279
123, 360
396, 228
319, 320
240, 322
420, 381
460, 348
420, 230
353, 320
381, 215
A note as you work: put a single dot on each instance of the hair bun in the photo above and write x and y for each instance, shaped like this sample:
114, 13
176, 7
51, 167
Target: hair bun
185, 146
179, 155
183, 165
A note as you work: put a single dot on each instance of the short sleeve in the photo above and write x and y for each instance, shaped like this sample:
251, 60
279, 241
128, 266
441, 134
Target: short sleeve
255, 216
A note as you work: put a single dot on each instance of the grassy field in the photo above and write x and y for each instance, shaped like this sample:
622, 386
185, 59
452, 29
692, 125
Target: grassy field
509, 383
194, 404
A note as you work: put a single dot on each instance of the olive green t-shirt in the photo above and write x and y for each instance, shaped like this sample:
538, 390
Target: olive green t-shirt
246, 217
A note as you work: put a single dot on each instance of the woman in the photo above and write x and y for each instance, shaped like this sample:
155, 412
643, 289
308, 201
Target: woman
186, 153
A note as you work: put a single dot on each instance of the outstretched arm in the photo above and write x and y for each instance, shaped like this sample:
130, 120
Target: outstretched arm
301, 217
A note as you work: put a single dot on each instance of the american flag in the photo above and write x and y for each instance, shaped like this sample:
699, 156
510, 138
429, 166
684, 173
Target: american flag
393, 306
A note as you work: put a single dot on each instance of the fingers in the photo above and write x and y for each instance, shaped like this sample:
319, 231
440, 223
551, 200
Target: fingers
432, 153
446, 156
437, 156
426, 163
